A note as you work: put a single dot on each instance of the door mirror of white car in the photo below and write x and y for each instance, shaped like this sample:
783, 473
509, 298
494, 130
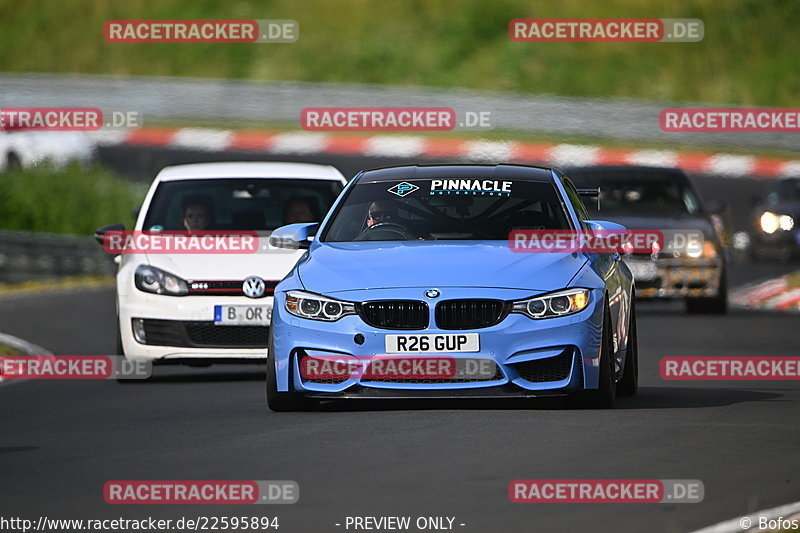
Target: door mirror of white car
99, 233
294, 235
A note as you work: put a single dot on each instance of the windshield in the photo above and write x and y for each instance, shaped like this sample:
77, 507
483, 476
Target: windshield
641, 194
784, 191
445, 209
247, 204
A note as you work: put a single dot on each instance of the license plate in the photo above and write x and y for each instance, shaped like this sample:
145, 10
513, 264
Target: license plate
429, 343
242, 315
643, 270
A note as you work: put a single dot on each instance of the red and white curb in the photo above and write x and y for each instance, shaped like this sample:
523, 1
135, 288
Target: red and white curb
304, 143
774, 295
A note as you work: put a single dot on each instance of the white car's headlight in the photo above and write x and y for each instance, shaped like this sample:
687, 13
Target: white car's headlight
561, 303
316, 307
157, 281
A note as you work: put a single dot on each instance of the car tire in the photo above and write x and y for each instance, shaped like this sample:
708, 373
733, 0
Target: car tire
603, 396
716, 305
282, 401
629, 384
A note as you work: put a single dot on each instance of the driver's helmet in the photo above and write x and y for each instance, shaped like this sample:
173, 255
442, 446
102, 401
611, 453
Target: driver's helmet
381, 212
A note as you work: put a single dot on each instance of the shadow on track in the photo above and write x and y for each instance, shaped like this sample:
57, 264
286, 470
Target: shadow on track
648, 398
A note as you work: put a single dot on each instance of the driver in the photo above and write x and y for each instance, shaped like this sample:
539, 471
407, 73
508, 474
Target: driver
380, 212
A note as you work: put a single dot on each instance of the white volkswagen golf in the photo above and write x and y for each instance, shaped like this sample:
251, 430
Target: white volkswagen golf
203, 307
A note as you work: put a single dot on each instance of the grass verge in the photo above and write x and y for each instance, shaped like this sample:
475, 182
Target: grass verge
73, 200
748, 55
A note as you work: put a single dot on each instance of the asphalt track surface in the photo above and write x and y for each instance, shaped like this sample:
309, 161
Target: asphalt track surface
62, 440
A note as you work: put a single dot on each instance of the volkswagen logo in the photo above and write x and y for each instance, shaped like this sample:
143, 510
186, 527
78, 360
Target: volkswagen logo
253, 287
432, 293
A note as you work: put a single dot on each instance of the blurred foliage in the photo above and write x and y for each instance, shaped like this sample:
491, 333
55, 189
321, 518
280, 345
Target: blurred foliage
73, 200
749, 55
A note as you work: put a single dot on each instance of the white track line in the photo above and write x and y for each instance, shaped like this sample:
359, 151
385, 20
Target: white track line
23, 346
736, 525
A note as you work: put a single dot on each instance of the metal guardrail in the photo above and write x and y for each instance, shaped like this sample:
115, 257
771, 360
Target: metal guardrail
31, 256
214, 99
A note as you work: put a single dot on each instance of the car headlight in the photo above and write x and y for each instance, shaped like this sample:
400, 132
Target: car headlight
770, 222
786, 222
157, 281
707, 251
555, 304
316, 307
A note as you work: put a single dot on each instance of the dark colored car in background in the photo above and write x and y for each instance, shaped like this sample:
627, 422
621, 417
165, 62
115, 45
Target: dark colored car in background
775, 232
658, 198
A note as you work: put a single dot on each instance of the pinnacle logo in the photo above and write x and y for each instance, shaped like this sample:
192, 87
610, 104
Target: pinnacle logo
403, 189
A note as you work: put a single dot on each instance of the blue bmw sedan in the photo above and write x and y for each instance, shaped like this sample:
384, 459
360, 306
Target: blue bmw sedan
410, 288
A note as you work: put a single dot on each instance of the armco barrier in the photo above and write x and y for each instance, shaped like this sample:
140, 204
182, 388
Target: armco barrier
30, 256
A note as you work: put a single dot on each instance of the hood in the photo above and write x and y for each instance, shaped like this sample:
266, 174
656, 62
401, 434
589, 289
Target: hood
271, 265
334, 267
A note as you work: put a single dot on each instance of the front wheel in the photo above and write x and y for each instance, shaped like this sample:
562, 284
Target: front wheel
603, 396
282, 401
629, 384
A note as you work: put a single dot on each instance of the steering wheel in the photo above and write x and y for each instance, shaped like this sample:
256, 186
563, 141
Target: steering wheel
372, 233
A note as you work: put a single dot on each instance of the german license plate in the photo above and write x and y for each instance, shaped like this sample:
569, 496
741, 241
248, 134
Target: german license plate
643, 270
433, 343
242, 315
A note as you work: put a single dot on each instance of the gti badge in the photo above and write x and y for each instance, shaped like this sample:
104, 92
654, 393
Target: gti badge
253, 287
432, 293
402, 189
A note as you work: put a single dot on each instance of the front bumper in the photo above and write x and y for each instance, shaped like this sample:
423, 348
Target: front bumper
678, 278
546, 357
182, 327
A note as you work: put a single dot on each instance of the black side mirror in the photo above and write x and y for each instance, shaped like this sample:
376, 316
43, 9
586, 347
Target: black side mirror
99, 233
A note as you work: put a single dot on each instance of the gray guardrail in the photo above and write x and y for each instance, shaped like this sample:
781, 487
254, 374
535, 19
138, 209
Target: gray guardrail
30, 256
213, 99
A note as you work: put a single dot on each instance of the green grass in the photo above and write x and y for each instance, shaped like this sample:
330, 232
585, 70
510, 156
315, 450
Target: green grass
8, 350
748, 56
72, 200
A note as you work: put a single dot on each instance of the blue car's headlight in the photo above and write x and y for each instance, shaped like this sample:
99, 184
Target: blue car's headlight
157, 281
316, 307
561, 303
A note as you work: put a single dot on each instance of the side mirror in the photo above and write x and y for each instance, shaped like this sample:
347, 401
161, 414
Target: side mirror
604, 225
293, 236
716, 206
99, 233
